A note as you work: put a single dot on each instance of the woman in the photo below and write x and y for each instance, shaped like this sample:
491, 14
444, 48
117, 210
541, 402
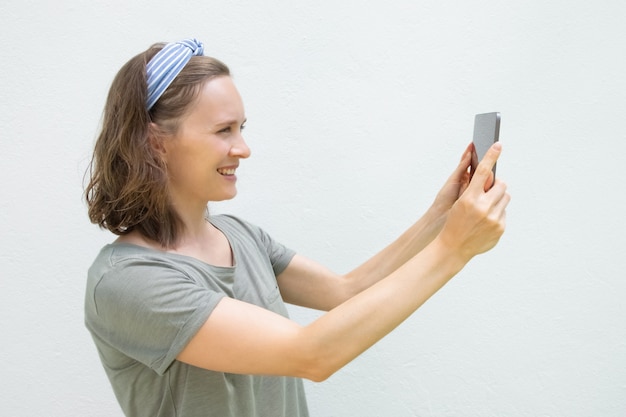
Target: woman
186, 309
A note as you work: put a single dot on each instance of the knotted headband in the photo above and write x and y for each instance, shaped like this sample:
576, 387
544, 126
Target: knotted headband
167, 64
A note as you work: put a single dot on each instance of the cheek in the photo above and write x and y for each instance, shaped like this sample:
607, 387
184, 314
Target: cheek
183, 166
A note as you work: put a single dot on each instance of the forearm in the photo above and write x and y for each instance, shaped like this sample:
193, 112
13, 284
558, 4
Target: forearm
392, 257
349, 329
239, 337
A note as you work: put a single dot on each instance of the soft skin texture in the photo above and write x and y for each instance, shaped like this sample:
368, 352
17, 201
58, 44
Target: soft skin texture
202, 158
363, 305
466, 218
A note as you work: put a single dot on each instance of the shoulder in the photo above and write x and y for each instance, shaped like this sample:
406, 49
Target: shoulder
254, 237
237, 227
124, 277
123, 268
121, 254
232, 222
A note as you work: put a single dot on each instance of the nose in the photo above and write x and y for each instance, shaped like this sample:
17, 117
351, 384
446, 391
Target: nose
240, 148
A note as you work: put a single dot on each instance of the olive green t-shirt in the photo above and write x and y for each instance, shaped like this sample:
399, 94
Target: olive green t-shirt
143, 306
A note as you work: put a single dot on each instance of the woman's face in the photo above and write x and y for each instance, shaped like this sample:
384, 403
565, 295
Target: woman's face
205, 152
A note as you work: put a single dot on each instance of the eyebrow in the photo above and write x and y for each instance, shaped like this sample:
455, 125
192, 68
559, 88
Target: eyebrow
227, 122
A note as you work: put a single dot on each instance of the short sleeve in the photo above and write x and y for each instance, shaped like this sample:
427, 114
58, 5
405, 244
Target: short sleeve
279, 254
148, 311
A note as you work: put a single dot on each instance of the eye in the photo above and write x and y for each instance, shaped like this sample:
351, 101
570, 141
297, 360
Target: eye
229, 128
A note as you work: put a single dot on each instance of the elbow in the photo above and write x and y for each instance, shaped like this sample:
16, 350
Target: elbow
318, 374
319, 379
316, 363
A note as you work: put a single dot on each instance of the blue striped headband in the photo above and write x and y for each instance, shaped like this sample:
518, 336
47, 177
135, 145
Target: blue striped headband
167, 64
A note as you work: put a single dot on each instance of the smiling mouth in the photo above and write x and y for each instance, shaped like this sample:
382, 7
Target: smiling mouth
227, 171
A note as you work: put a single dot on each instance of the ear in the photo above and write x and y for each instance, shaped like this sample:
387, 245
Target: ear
156, 139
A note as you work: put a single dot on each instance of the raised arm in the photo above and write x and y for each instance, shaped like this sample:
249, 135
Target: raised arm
420, 234
306, 283
242, 338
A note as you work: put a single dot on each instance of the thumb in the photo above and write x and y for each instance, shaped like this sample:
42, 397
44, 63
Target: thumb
483, 177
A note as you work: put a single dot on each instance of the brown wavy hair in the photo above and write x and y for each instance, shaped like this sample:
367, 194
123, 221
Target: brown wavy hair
128, 179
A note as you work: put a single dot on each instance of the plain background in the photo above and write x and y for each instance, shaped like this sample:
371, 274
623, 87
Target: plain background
358, 112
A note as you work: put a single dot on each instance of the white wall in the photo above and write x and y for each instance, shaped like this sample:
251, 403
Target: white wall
357, 113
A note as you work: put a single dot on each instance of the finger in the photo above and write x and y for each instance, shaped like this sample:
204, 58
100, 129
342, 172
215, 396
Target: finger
497, 192
464, 163
473, 159
501, 203
458, 176
484, 169
490, 181
467, 153
499, 210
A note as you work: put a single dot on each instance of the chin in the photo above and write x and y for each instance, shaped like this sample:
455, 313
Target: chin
224, 196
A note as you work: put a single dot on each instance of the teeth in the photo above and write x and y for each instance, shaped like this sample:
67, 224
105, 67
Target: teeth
230, 171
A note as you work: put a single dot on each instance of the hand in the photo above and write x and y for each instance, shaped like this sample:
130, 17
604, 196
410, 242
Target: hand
477, 219
454, 187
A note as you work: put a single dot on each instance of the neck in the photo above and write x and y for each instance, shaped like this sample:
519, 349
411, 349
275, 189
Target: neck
194, 225
203, 241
